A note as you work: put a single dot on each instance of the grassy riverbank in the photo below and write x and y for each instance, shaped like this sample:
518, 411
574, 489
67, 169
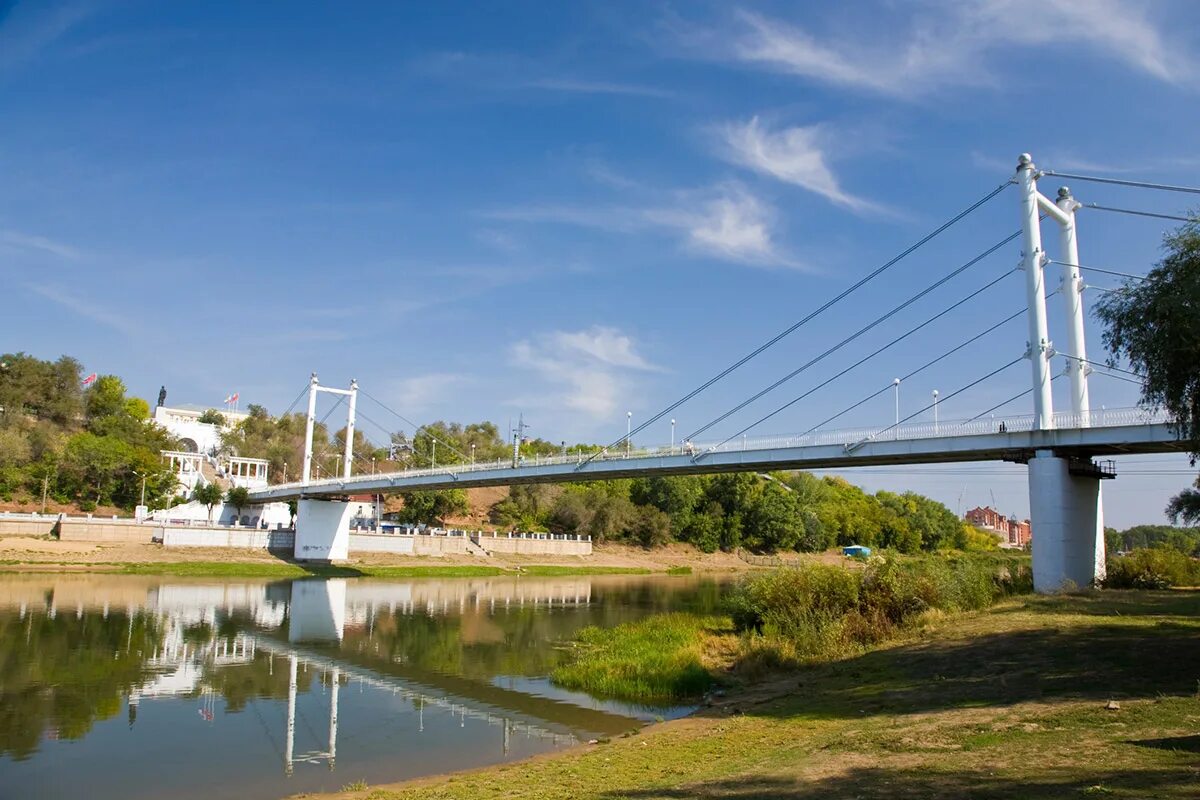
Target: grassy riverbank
1007, 702
660, 659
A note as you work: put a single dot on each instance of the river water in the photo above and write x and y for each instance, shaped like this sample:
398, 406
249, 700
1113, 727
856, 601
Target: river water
128, 687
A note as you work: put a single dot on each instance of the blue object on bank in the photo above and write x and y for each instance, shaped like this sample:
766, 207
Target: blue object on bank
856, 551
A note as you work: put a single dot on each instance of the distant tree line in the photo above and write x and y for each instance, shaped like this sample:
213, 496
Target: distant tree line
1183, 540
783, 511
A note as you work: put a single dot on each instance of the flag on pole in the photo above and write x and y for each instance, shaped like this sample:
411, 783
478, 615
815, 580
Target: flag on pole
89, 380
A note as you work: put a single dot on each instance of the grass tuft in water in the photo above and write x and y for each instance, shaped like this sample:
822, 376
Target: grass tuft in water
657, 660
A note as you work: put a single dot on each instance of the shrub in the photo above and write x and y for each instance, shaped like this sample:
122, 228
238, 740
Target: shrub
822, 610
1152, 568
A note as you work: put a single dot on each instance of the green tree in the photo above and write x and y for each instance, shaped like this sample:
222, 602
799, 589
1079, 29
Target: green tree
1155, 324
209, 494
433, 507
212, 417
773, 520
104, 398
238, 497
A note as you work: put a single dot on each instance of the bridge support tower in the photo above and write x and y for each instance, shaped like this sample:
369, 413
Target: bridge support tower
323, 526
322, 530
1066, 508
1068, 522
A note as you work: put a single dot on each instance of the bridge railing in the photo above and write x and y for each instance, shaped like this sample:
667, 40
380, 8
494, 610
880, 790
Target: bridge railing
909, 431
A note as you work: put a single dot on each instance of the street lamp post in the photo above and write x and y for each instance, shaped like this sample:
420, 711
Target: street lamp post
433, 457
472, 454
285, 472
628, 429
896, 386
672, 435
935, 414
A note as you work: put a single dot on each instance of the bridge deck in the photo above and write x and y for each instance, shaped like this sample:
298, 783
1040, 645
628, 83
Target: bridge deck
1117, 432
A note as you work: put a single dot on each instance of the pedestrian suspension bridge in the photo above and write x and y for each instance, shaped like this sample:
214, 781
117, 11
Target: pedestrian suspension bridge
1064, 450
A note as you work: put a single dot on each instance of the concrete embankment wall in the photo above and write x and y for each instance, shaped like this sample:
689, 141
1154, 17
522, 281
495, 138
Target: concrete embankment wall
534, 545
245, 538
27, 526
106, 530
127, 531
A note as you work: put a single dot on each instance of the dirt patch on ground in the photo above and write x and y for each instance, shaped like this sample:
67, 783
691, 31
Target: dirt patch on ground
39, 552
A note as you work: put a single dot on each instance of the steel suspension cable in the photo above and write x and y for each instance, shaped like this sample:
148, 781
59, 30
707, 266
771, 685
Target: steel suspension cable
1118, 182
1151, 214
1103, 366
861, 331
303, 392
1112, 272
921, 368
810, 316
955, 393
1017, 396
416, 428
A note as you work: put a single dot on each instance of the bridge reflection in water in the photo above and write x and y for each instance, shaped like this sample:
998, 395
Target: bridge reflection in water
450, 646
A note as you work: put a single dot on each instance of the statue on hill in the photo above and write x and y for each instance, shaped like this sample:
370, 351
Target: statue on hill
162, 395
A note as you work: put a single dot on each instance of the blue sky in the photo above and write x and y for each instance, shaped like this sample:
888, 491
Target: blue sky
570, 210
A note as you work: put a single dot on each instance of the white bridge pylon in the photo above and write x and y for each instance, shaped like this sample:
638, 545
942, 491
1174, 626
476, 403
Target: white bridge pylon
323, 526
1066, 508
1034, 204
315, 388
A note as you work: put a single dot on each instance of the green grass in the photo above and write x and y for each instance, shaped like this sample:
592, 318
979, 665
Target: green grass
554, 570
998, 704
658, 660
679, 571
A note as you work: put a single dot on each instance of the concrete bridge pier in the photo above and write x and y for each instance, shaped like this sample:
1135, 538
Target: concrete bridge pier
1067, 514
322, 530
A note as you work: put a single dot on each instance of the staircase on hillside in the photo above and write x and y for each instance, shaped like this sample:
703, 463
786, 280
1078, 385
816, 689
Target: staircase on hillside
474, 549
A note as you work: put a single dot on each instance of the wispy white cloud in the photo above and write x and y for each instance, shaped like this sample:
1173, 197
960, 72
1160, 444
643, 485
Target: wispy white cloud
589, 369
508, 72
95, 310
726, 222
948, 44
418, 393
24, 241
577, 86
792, 155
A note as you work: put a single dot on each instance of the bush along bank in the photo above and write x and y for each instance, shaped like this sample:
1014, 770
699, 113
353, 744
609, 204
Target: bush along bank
1152, 568
818, 611
782, 619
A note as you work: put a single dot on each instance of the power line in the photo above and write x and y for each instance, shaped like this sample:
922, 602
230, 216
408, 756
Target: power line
1139, 184
877, 321
858, 363
809, 317
1140, 213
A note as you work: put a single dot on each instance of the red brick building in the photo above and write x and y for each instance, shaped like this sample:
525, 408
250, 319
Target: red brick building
1012, 532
